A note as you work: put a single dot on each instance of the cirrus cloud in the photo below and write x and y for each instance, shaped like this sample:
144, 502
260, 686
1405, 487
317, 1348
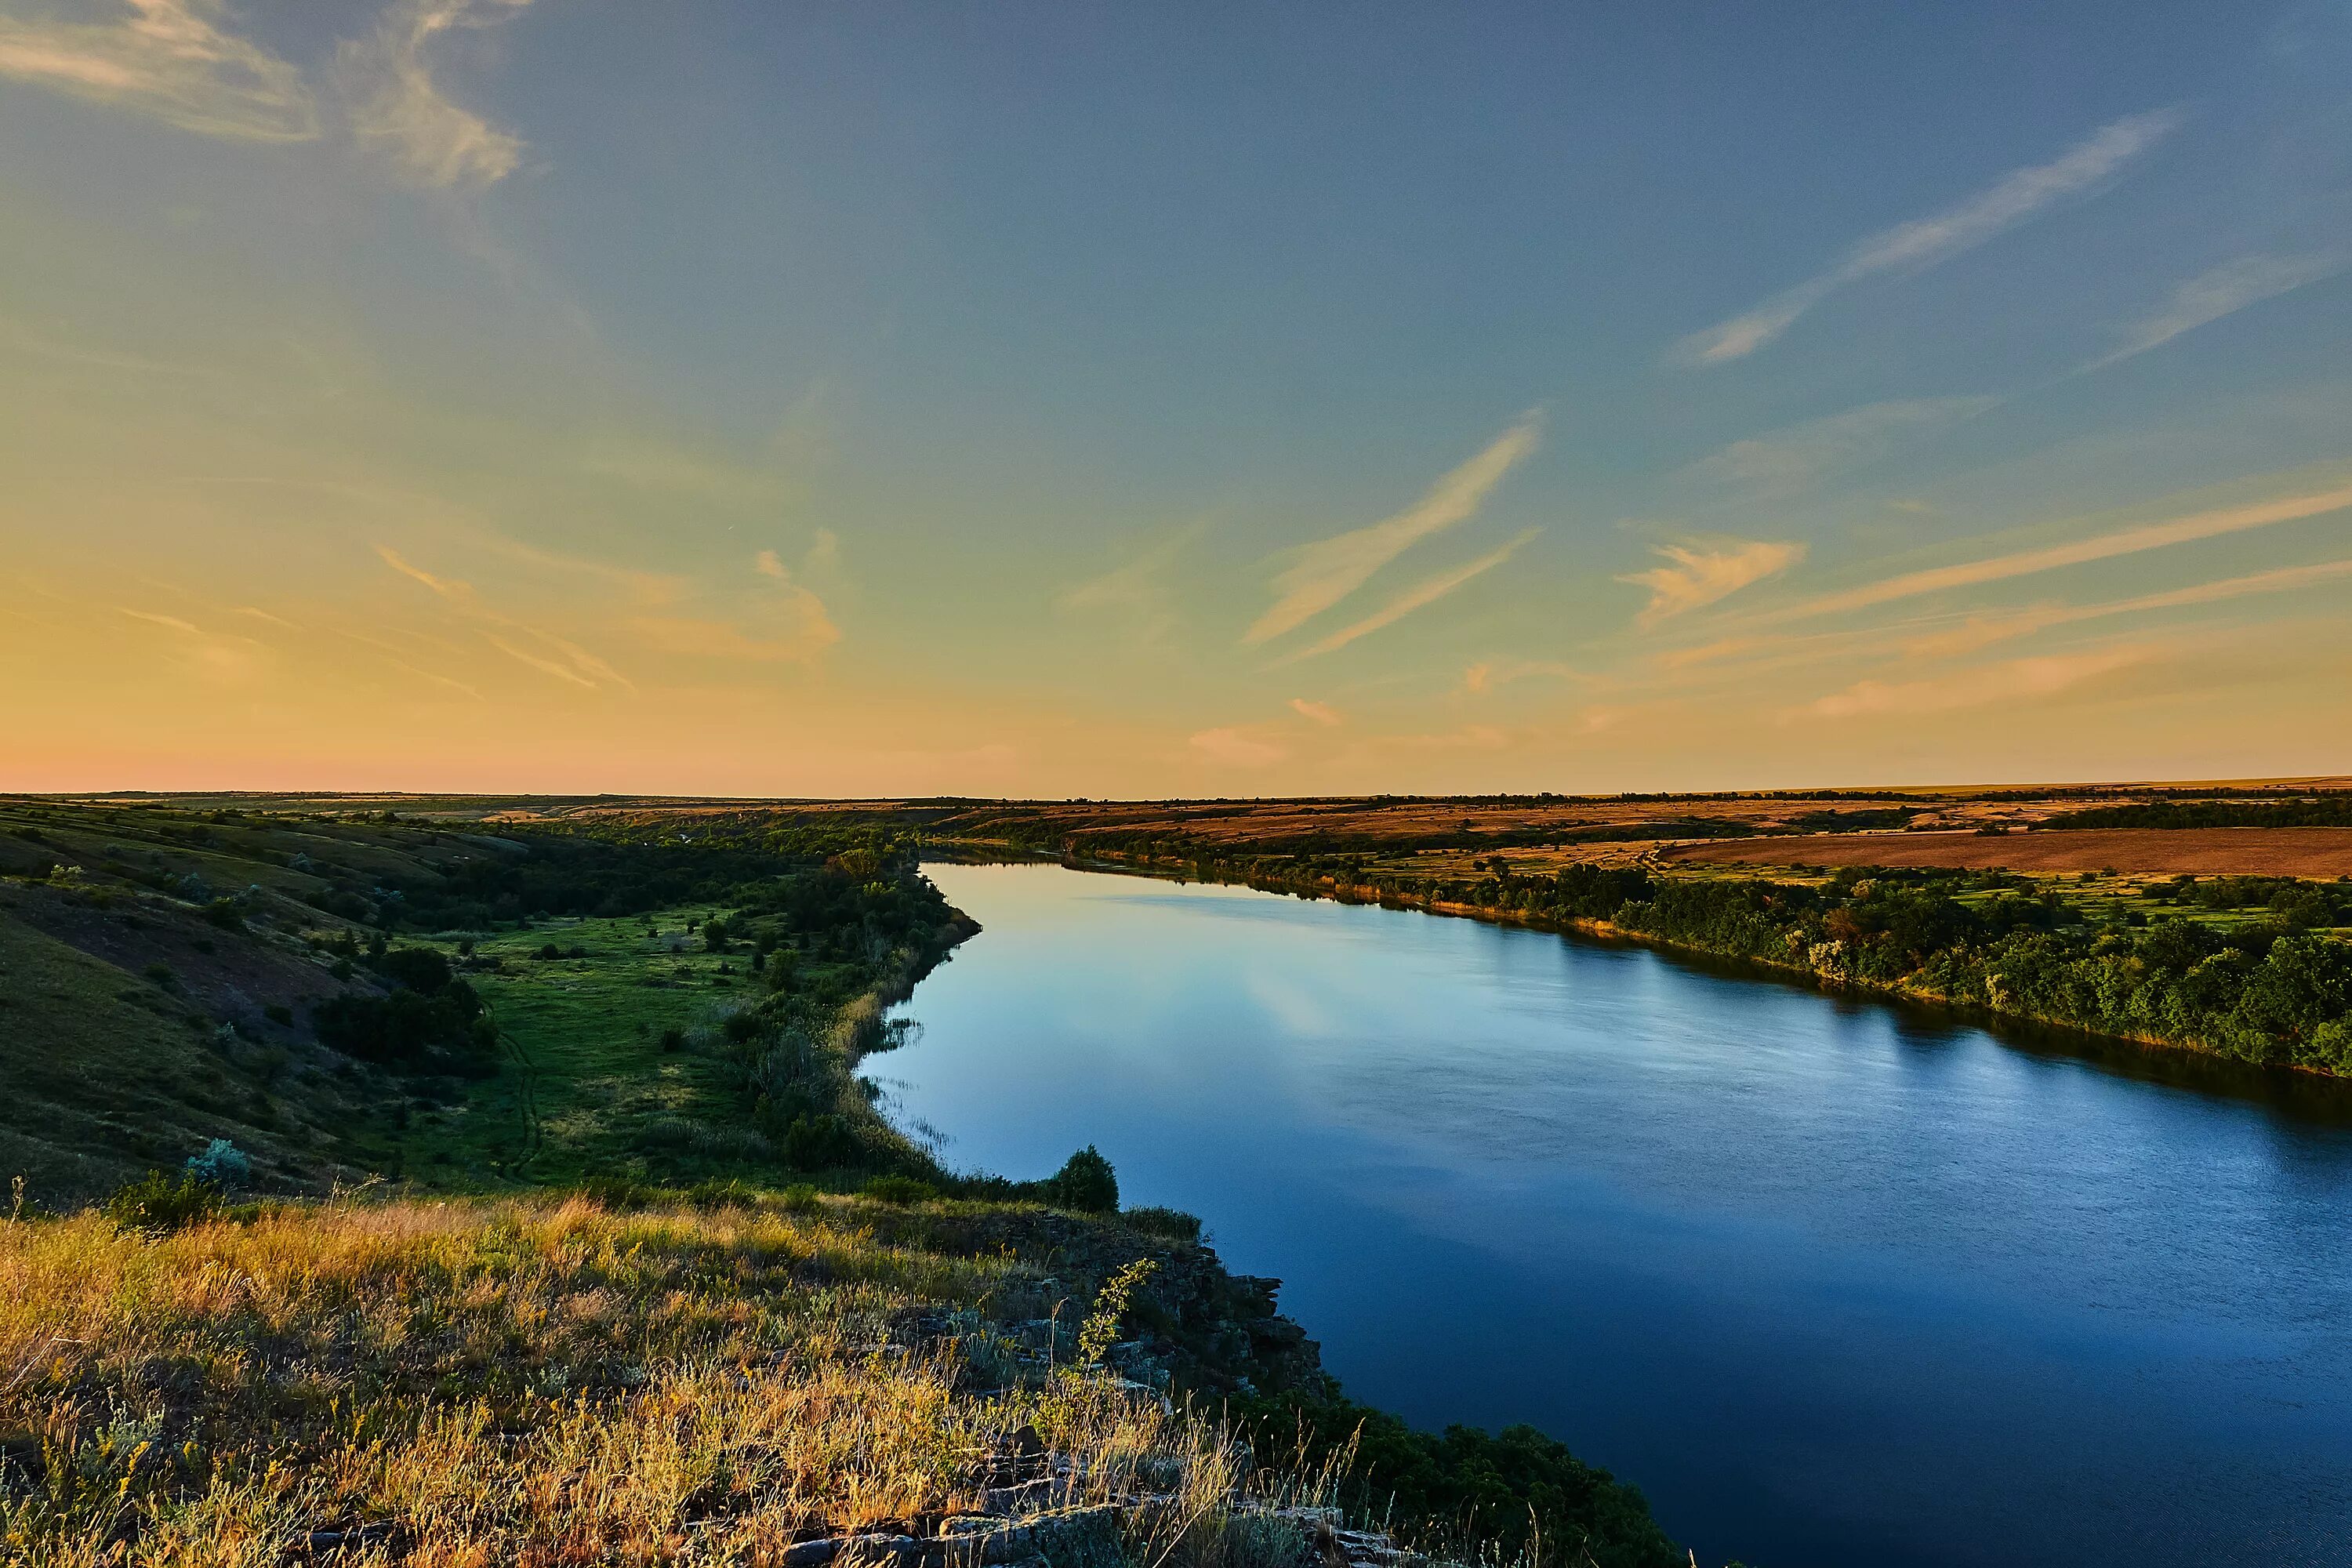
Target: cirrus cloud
1699, 577
1923, 242
2221, 291
1324, 572
176, 61
398, 107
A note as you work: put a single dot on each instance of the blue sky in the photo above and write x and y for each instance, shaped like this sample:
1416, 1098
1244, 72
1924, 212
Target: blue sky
1046, 399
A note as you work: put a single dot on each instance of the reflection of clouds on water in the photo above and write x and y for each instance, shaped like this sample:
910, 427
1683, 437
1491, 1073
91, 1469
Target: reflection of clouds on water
1765, 1249
1293, 1006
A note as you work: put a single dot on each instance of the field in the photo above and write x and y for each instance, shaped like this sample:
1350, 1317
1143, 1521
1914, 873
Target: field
2311, 852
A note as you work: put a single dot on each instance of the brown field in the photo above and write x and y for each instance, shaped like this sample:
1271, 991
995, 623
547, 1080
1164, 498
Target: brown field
2320, 852
1451, 836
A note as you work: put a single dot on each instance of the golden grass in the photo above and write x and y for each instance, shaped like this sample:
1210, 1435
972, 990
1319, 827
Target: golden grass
519, 1381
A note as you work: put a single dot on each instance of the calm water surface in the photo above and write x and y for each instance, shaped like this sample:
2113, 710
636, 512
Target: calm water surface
1834, 1284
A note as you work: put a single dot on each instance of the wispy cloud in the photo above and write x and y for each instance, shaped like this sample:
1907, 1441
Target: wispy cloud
813, 629
2221, 291
583, 667
2018, 680
544, 665
1425, 592
1136, 593
2122, 541
16, 335
449, 588
176, 61
1323, 713
1983, 631
1493, 675
718, 639
173, 622
659, 466
1699, 577
1798, 455
1924, 241
397, 106
1329, 569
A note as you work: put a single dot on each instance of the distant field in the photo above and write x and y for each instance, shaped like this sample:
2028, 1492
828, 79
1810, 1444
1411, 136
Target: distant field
2323, 852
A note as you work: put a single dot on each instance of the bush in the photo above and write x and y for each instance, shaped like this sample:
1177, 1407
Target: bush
157, 1204
821, 1142
673, 1040
1174, 1225
420, 969
279, 1013
899, 1190
444, 1032
1465, 1495
222, 1166
799, 1198
1086, 1184
715, 1194
617, 1193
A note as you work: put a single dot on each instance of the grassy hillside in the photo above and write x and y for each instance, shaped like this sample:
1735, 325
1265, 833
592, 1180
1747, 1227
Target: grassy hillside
347, 997
624, 1264
556, 1380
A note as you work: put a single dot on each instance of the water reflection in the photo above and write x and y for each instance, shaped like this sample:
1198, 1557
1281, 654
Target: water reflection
1836, 1283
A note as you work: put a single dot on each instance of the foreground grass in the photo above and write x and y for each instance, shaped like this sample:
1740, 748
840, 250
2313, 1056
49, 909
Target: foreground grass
529, 1381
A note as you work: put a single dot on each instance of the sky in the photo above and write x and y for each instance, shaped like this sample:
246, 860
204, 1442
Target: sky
751, 397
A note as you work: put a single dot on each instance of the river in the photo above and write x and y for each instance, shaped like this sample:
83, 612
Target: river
1837, 1284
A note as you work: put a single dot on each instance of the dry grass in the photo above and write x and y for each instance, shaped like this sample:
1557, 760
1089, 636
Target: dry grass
529, 1383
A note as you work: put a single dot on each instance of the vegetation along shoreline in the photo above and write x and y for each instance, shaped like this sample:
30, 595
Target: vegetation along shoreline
1897, 935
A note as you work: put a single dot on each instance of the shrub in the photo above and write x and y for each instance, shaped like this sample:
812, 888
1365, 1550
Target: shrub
799, 1198
673, 1040
715, 1194
279, 1013
222, 1164
1085, 1183
420, 969
821, 1142
157, 1204
617, 1193
899, 1190
1174, 1225
445, 1032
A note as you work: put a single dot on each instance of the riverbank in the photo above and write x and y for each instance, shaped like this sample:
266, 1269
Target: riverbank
2274, 997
